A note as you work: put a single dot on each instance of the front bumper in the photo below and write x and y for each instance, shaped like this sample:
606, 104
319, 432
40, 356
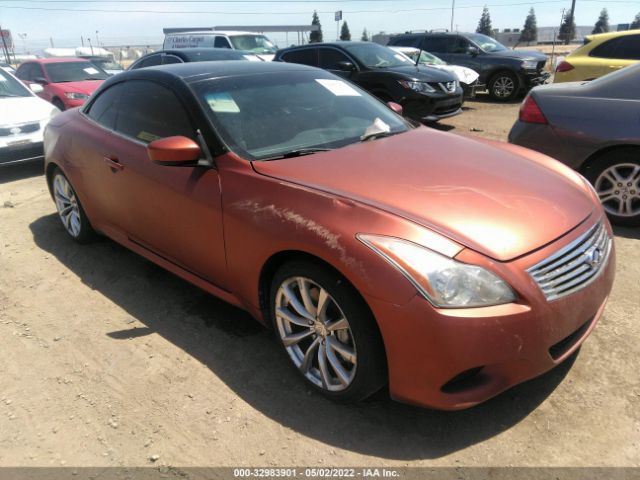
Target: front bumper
453, 359
533, 79
432, 109
26, 152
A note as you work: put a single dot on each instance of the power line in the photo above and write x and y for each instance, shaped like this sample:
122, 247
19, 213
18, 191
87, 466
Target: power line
407, 10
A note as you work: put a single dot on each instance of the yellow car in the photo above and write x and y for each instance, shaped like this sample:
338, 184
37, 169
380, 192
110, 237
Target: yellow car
601, 54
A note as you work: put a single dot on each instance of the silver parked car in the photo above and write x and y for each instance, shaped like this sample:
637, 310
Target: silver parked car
593, 127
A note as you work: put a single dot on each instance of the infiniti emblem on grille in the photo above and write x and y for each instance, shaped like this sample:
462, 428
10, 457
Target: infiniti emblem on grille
593, 257
15, 130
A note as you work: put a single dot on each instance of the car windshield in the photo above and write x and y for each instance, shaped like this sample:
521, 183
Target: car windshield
107, 64
253, 43
278, 114
61, 72
426, 58
486, 43
10, 87
376, 56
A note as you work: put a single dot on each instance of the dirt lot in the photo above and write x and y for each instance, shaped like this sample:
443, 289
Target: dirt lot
108, 360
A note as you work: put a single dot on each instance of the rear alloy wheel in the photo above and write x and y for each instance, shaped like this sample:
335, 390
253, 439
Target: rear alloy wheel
616, 179
327, 333
504, 86
71, 214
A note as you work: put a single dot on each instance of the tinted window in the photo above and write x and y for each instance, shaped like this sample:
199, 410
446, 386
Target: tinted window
149, 112
221, 42
61, 72
150, 61
629, 48
330, 58
606, 50
10, 87
459, 45
29, 71
406, 41
306, 56
169, 59
104, 108
436, 44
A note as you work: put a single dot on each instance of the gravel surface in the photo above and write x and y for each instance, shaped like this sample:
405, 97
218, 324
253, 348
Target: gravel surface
107, 359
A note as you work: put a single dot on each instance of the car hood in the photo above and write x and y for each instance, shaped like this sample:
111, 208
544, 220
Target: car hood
424, 73
493, 198
18, 110
86, 86
520, 54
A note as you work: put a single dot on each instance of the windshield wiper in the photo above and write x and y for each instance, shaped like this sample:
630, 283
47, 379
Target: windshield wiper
375, 135
298, 153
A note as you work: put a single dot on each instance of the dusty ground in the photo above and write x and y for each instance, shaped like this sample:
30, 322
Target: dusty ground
106, 359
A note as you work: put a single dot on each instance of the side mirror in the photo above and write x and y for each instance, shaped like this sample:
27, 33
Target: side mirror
174, 151
346, 66
36, 87
473, 51
396, 107
41, 81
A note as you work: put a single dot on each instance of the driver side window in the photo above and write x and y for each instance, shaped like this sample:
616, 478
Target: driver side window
150, 112
460, 46
330, 59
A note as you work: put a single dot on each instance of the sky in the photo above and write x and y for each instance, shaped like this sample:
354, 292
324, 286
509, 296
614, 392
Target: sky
127, 22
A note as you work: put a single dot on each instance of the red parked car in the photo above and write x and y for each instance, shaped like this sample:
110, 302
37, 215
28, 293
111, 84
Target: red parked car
450, 268
66, 82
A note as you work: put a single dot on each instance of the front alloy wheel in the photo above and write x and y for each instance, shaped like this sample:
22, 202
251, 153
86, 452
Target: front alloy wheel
315, 333
70, 211
504, 86
327, 331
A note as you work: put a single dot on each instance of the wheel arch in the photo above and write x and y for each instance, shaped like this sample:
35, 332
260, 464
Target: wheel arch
276, 260
602, 152
50, 168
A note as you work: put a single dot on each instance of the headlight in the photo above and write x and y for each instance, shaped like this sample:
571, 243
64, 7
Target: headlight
442, 281
76, 96
530, 64
420, 87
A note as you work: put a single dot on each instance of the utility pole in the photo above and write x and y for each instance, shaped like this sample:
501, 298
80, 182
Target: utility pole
453, 9
5, 47
573, 10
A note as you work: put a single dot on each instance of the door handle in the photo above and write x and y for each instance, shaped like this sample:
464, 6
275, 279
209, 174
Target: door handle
113, 163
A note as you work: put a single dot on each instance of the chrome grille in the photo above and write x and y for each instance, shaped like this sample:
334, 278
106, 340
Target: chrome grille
575, 266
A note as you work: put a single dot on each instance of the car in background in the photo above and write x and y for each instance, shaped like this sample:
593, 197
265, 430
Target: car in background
378, 252
66, 82
468, 78
425, 94
7, 68
593, 128
505, 72
107, 64
23, 116
186, 55
601, 54
256, 43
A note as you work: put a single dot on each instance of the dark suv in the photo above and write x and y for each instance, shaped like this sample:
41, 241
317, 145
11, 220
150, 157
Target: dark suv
505, 72
426, 94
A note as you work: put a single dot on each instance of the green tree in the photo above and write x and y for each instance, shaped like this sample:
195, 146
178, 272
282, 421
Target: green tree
484, 25
345, 34
530, 30
636, 22
316, 37
365, 36
602, 25
567, 29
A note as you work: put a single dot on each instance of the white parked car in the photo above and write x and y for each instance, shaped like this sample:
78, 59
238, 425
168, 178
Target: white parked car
6, 67
249, 41
23, 116
468, 78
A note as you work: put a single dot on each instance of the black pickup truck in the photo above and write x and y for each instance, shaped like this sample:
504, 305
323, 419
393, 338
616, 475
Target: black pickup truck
503, 71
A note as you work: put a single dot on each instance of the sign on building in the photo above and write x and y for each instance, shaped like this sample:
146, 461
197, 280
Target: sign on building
338, 15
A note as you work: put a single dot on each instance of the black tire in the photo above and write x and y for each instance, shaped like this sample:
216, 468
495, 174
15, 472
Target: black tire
504, 86
58, 103
85, 232
625, 161
371, 369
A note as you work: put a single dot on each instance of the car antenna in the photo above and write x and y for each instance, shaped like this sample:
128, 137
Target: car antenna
419, 55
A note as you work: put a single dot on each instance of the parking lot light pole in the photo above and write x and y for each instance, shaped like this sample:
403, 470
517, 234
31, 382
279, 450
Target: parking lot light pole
453, 9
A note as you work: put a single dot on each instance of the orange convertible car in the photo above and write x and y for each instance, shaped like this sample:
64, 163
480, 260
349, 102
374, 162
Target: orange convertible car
449, 268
